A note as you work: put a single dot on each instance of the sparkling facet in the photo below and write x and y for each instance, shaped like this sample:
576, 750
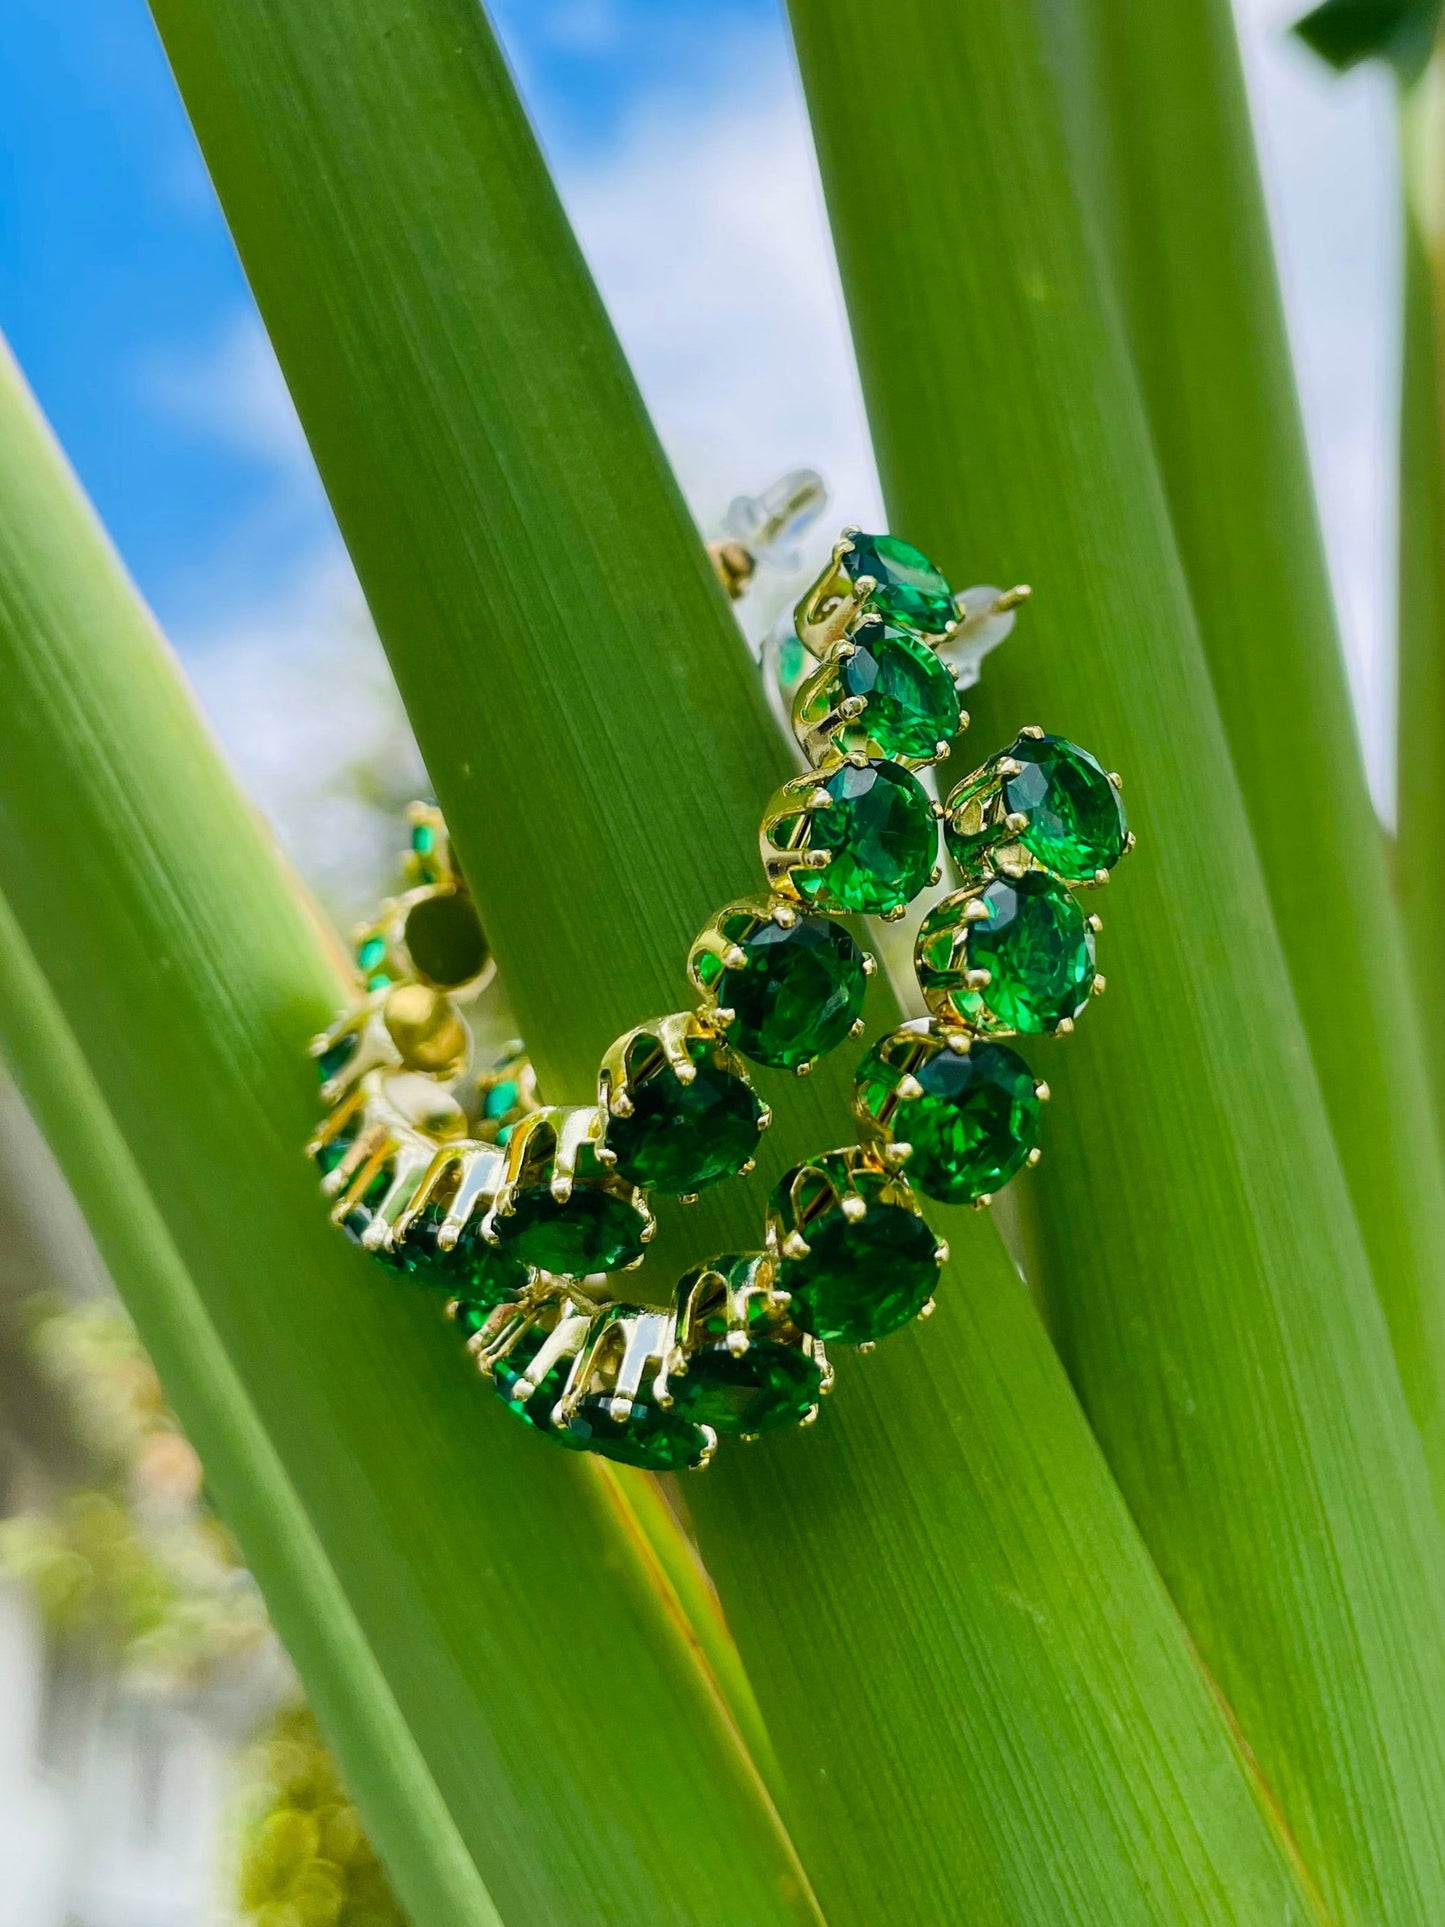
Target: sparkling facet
910, 588
684, 1136
865, 1276
881, 835
909, 696
769, 1386
1038, 949
595, 1228
1076, 823
798, 994
973, 1123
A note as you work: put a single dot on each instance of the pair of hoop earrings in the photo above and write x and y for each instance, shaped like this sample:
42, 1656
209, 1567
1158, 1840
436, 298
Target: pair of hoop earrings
523, 1213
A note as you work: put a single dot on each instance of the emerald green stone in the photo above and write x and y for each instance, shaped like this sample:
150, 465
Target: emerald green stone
423, 839
862, 1278
771, 1385
881, 835
594, 1229
1038, 949
799, 993
657, 1441
911, 697
331, 1153
371, 953
334, 1059
472, 1269
910, 589
1076, 822
682, 1137
444, 936
974, 1123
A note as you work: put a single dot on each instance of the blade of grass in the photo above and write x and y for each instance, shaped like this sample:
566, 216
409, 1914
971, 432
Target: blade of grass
1208, 1282
190, 976
971, 1672
1169, 121
1420, 842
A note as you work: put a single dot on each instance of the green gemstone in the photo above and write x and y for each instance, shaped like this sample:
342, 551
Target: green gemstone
862, 1278
882, 837
371, 953
536, 1410
974, 1123
910, 589
1038, 949
657, 1441
500, 1099
771, 1385
334, 1059
594, 1229
445, 938
329, 1155
682, 1137
472, 1269
798, 995
909, 692
423, 839
471, 1314
1076, 823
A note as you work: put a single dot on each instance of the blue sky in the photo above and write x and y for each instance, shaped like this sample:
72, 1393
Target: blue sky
118, 282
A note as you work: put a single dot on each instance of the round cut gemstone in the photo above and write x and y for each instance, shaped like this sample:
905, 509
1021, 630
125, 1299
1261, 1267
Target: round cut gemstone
472, 1269
1037, 947
973, 1123
657, 1441
682, 1137
771, 1385
881, 837
370, 954
595, 1228
910, 588
909, 695
862, 1277
1076, 822
797, 995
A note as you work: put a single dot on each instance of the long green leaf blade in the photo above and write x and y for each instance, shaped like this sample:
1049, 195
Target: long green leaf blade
1420, 842
971, 1674
191, 977
1208, 1281
1213, 363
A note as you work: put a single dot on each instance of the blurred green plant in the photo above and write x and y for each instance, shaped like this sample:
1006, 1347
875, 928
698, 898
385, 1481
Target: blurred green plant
305, 1858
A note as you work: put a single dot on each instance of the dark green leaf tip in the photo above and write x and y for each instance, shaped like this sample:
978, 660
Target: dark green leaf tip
1346, 32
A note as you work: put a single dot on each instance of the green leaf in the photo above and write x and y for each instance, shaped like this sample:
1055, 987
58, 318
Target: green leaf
1345, 32
1206, 1276
516, 1713
1167, 135
1420, 841
968, 1667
